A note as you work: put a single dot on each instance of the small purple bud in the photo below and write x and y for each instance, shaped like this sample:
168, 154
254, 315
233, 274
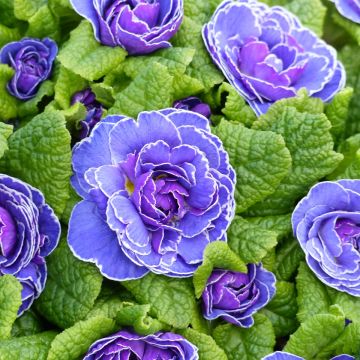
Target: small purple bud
194, 104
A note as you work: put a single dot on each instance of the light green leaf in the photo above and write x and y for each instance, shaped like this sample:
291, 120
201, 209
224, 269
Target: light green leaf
72, 201
8, 34
172, 300
27, 347
348, 342
150, 90
318, 333
71, 289
24, 10
104, 94
43, 24
5, 131
8, 103
260, 160
76, 340
40, 154
250, 344
185, 86
27, 324
351, 27
84, 56
282, 309
251, 243
10, 301
217, 255
308, 138
208, 349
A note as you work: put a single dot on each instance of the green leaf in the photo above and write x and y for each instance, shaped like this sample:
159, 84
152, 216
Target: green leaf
172, 300
202, 67
318, 333
260, 160
351, 27
10, 301
316, 298
84, 56
104, 94
288, 257
150, 90
138, 317
217, 255
75, 341
43, 24
308, 138
251, 243
185, 86
337, 111
208, 349
27, 324
7, 16
348, 342
72, 201
282, 309
8, 35
40, 154
5, 132
310, 12
23, 10
250, 344
8, 103
71, 289
27, 347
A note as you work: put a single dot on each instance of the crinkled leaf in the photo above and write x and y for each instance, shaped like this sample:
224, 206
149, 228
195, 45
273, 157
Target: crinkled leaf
150, 90
172, 300
10, 301
7, 16
250, 242
308, 138
23, 10
40, 154
84, 56
8, 35
250, 344
185, 86
5, 131
217, 255
71, 289
104, 94
208, 349
8, 103
43, 24
348, 342
27, 347
259, 158
313, 337
76, 340
27, 324
282, 309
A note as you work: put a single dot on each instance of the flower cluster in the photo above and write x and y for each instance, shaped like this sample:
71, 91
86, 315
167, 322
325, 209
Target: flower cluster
155, 191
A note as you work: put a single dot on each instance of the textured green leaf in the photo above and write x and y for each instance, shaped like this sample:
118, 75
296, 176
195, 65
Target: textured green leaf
23, 10
337, 111
202, 67
251, 243
314, 336
217, 255
348, 342
104, 94
288, 257
84, 56
40, 154
43, 24
308, 138
27, 324
172, 300
71, 288
282, 309
150, 90
10, 301
351, 27
250, 344
259, 158
75, 341
8, 35
7, 16
185, 86
208, 349
8, 103
27, 347
5, 132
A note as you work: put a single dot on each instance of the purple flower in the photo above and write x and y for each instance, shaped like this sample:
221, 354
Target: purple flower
94, 111
327, 225
156, 192
235, 297
267, 55
29, 231
194, 104
32, 60
127, 345
349, 9
138, 26
282, 355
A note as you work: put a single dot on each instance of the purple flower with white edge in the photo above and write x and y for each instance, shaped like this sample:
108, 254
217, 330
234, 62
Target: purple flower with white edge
282, 355
349, 9
194, 104
138, 26
327, 225
32, 60
156, 192
267, 55
128, 345
29, 231
94, 110
235, 297
343, 357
